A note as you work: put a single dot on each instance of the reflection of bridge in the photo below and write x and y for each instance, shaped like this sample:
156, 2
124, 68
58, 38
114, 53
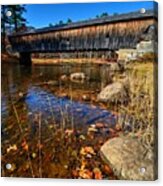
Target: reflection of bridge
100, 35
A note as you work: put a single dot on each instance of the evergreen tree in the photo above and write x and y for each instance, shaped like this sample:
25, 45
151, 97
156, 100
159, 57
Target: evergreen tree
104, 14
69, 21
17, 18
50, 24
61, 22
4, 21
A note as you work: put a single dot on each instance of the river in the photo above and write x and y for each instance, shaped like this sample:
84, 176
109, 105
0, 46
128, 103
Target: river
47, 120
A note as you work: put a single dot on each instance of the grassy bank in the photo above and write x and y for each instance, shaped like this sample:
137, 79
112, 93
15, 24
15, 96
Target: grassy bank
138, 116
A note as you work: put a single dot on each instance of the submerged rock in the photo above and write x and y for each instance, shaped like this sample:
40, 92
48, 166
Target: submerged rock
78, 76
129, 159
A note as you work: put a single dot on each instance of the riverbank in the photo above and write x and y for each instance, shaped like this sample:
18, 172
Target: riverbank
38, 61
52, 61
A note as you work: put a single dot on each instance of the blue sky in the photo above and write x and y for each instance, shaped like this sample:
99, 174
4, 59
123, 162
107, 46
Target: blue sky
40, 15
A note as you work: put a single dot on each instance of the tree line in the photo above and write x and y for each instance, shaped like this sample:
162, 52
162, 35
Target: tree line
60, 23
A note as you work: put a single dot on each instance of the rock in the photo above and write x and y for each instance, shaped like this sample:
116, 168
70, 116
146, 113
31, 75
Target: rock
129, 159
64, 78
115, 92
78, 76
145, 47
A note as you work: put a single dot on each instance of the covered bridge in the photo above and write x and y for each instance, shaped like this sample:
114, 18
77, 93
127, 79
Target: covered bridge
100, 35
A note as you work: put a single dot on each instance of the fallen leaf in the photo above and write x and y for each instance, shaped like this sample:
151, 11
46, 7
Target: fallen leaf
107, 169
86, 174
25, 146
12, 147
87, 150
82, 137
97, 173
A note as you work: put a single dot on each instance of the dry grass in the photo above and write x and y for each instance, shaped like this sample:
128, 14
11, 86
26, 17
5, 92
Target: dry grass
137, 117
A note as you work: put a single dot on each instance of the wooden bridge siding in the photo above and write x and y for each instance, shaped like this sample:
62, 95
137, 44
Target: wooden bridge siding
101, 37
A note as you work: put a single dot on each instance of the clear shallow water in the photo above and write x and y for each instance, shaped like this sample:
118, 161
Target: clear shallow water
51, 146
39, 100
18, 79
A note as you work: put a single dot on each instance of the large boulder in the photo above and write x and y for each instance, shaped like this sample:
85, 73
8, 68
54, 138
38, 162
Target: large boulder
129, 159
115, 92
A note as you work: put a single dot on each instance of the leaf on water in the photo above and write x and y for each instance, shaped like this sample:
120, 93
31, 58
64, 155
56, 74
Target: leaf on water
82, 137
87, 150
12, 147
25, 146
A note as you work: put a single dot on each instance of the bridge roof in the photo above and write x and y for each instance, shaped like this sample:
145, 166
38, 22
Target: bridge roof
91, 22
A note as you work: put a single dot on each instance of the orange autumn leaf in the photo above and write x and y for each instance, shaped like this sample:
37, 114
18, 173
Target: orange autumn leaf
25, 146
87, 150
86, 174
97, 173
107, 169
